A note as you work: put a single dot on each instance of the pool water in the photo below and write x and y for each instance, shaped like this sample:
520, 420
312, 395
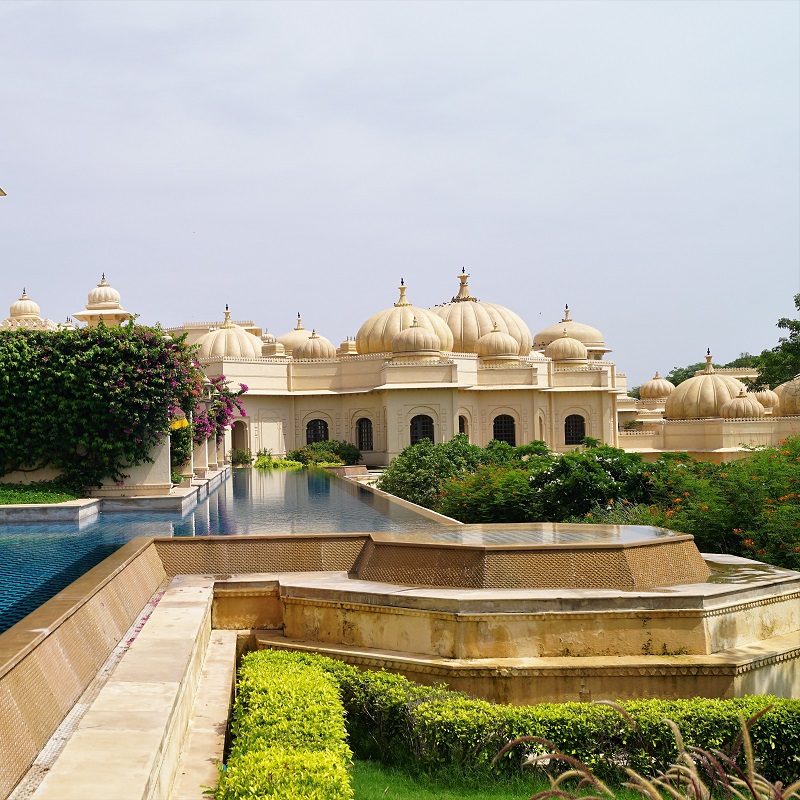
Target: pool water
38, 560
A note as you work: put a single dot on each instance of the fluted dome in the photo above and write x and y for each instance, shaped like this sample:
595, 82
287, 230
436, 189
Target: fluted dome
24, 313
267, 337
656, 388
703, 395
767, 398
469, 319
229, 341
567, 348
377, 333
788, 398
315, 346
295, 337
416, 342
589, 336
103, 296
103, 305
497, 346
743, 406
24, 308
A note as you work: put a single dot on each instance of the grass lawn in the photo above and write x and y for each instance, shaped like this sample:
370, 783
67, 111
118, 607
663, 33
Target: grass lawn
373, 781
15, 493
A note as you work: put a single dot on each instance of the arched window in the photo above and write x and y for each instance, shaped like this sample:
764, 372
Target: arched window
421, 428
239, 436
463, 425
574, 429
316, 431
504, 429
364, 434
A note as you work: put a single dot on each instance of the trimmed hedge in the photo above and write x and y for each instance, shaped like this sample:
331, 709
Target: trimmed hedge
289, 733
432, 729
399, 722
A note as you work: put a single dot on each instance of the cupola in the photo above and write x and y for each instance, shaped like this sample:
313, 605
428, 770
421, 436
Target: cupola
703, 395
229, 341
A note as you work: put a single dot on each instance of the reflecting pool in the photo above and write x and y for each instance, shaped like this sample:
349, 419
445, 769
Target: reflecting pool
38, 560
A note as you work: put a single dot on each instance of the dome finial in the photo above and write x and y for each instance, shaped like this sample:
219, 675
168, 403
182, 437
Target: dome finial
227, 323
709, 365
403, 300
463, 289
299, 326
566, 313
102, 280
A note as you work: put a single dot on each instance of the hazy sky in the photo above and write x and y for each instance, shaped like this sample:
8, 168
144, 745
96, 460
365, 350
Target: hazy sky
637, 160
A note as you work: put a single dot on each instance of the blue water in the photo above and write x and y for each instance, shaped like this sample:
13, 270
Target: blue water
38, 560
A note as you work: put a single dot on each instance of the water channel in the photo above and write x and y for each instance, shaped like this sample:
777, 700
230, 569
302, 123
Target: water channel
38, 560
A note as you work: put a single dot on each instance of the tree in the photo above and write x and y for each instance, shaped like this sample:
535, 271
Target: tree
781, 363
744, 361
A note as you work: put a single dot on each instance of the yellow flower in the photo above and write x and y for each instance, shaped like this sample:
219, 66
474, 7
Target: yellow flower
177, 424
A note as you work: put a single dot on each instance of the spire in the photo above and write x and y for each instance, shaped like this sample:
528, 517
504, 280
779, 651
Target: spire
299, 326
227, 323
403, 300
463, 290
566, 314
709, 365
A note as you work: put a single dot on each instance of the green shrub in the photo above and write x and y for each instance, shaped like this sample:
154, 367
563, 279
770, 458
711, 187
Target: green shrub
330, 453
241, 457
289, 737
39, 492
265, 460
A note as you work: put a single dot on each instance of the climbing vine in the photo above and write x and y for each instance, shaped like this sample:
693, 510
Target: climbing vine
91, 402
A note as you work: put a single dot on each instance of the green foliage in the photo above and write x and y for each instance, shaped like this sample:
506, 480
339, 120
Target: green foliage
40, 492
90, 402
289, 737
490, 494
265, 460
333, 453
420, 471
749, 507
181, 445
428, 729
241, 457
782, 362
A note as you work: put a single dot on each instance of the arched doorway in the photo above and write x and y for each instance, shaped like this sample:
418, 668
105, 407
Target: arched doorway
504, 429
574, 429
463, 424
364, 434
316, 431
421, 427
239, 436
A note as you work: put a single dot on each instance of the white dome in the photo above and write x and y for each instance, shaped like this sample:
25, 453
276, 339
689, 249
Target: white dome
497, 346
103, 296
377, 333
295, 337
743, 406
590, 336
469, 319
703, 395
24, 308
566, 348
416, 341
315, 346
656, 388
767, 398
229, 341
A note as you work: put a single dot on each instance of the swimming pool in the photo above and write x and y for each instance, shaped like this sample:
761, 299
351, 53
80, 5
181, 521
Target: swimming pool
38, 560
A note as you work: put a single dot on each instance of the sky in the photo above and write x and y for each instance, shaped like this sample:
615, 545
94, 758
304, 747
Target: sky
639, 161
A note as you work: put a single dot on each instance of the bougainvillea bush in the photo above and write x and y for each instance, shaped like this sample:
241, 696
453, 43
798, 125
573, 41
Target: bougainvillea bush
91, 402
220, 412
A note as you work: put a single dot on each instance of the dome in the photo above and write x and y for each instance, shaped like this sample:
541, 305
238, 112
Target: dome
416, 341
702, 396
497, 346
591, 337
469, 319
297, 336
566, 348
656, 388
376, 334
268, 338
229, 341
788, 398
103, 296
767, 398
24, 308
315, 346
743, 406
